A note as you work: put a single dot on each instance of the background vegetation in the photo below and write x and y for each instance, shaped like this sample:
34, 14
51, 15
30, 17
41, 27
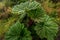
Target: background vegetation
9, 18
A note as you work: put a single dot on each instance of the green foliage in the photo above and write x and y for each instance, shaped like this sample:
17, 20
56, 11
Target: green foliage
18, 32
5, 24
46, 28
36, 13
32, 9
23, 7
13, 2
54, 14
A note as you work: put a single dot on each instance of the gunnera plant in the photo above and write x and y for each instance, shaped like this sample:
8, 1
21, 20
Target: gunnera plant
44, 26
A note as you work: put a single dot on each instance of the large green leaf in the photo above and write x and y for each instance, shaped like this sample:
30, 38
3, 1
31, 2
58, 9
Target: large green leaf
46, 28
23, 7
32, 9
18, 32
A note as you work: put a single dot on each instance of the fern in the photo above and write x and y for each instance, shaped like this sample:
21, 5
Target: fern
18, 32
